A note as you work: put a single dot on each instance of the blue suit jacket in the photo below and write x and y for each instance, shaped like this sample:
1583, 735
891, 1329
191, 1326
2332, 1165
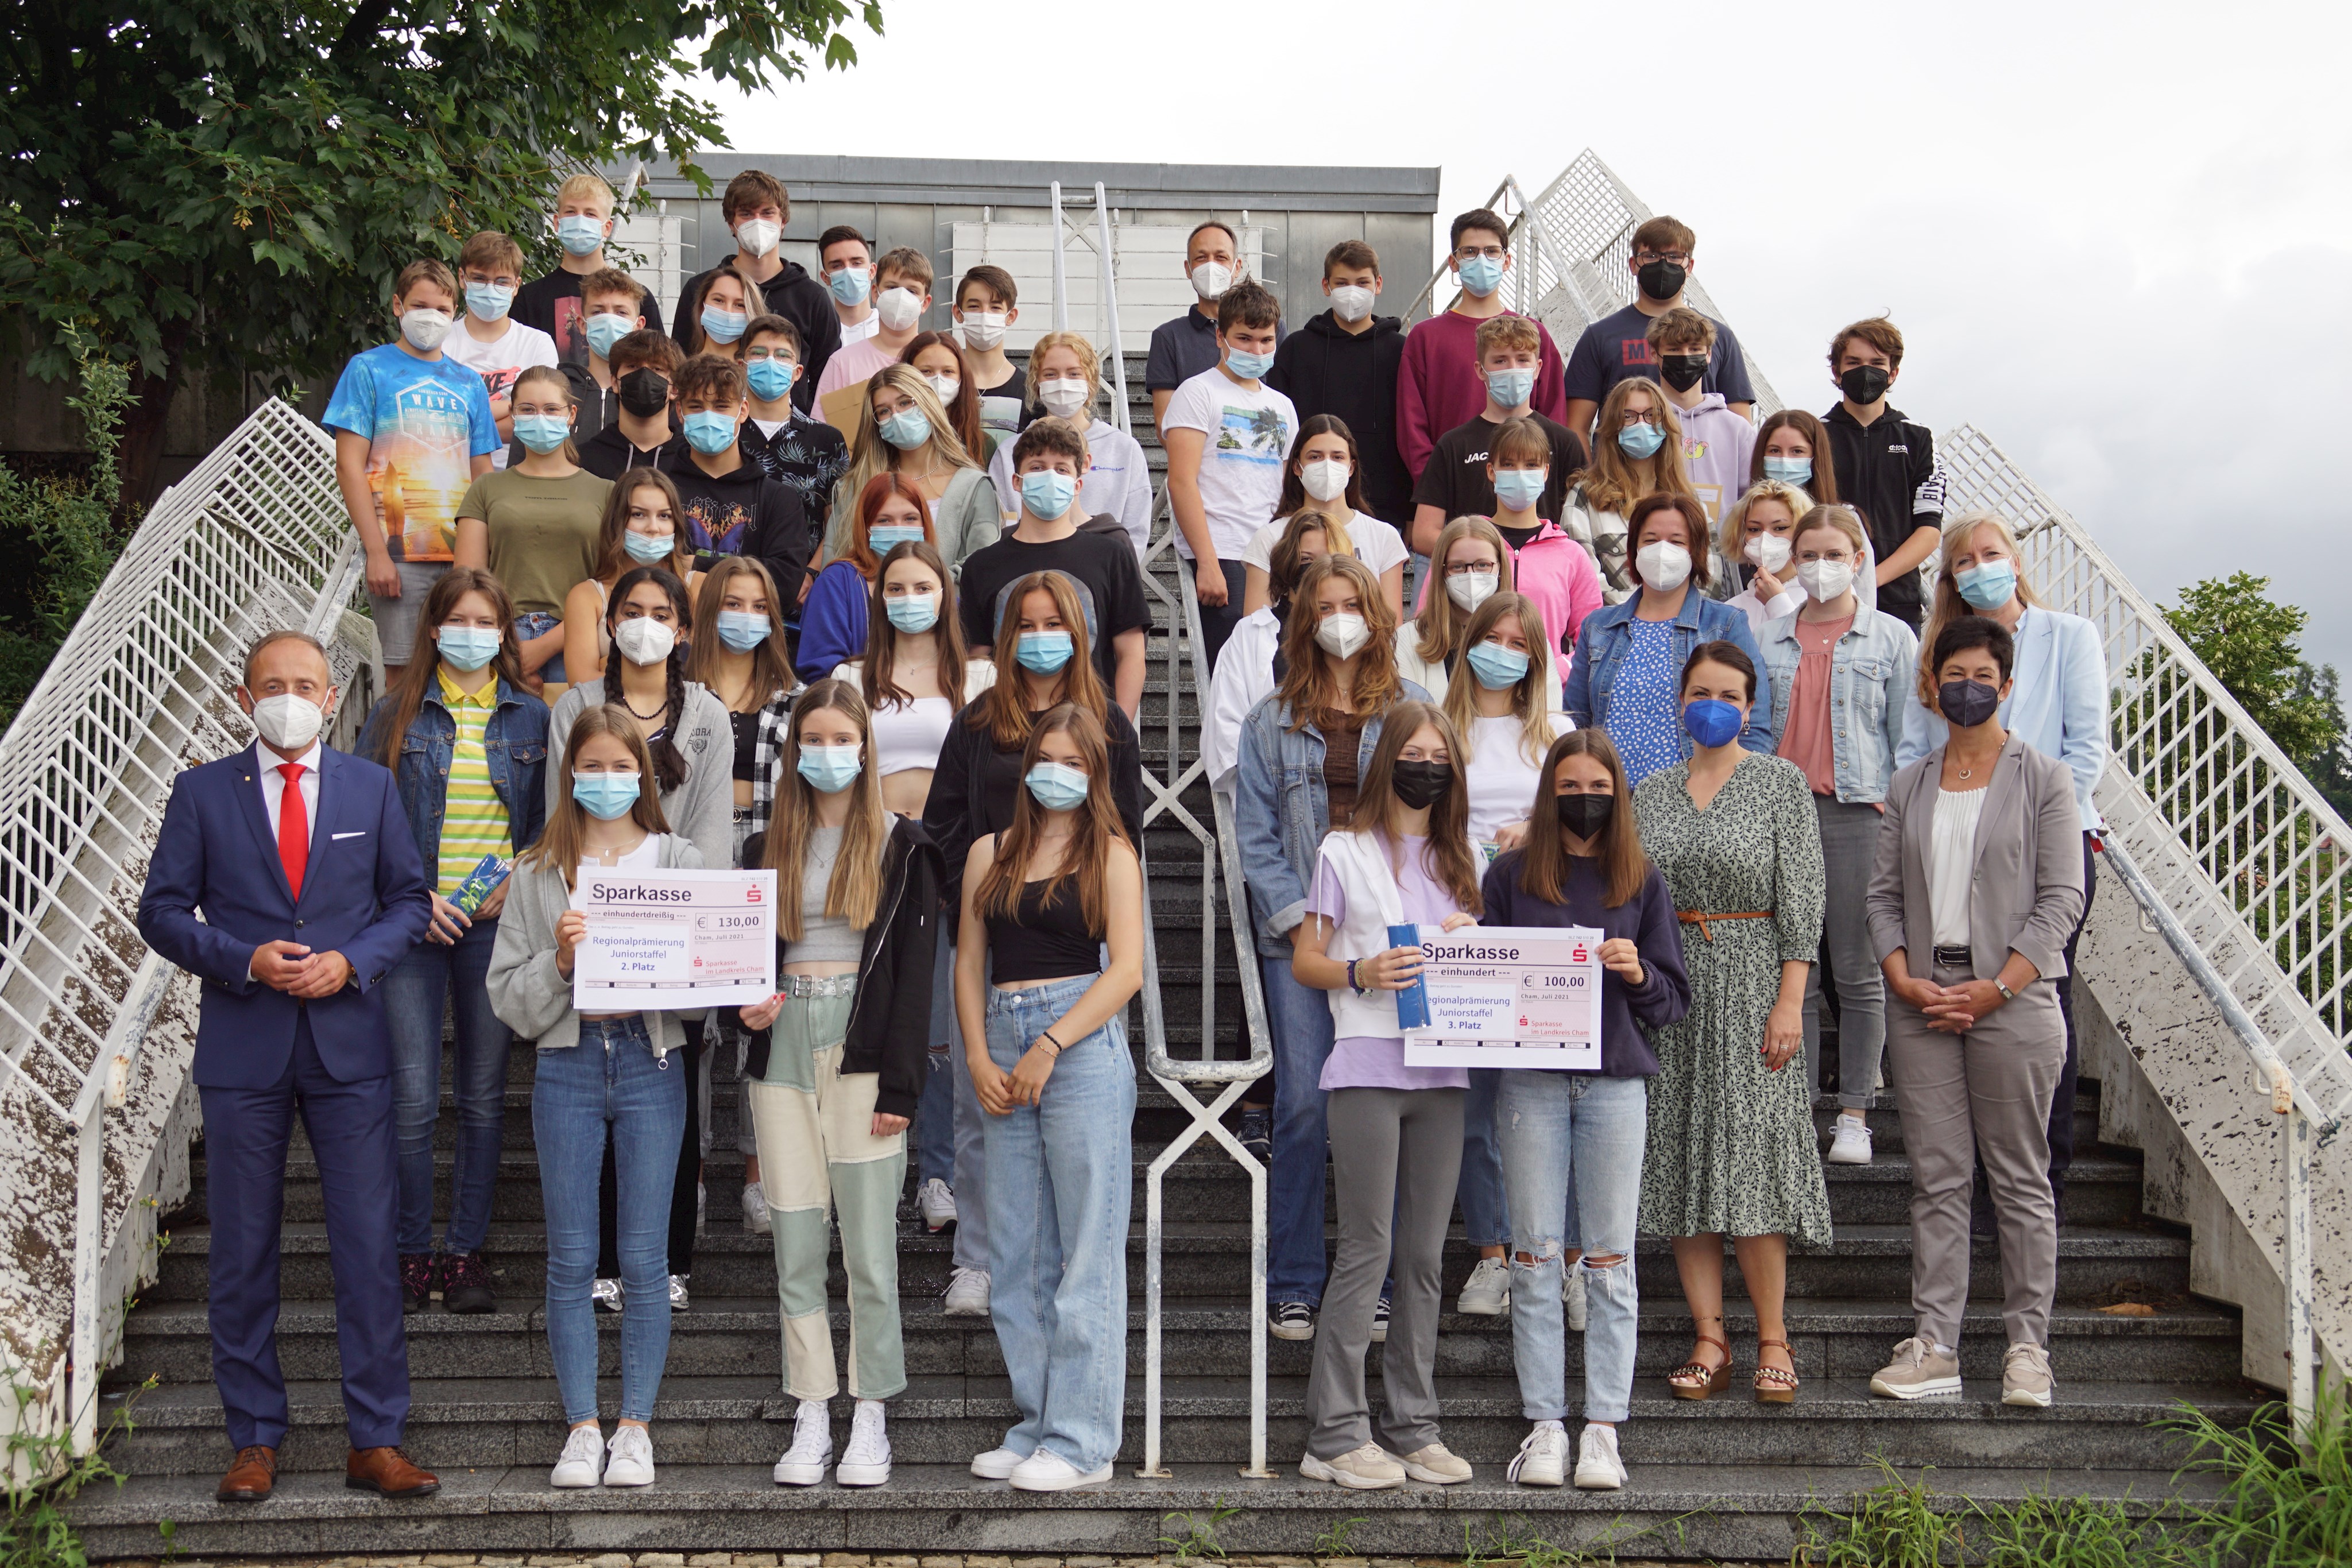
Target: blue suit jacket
365, 895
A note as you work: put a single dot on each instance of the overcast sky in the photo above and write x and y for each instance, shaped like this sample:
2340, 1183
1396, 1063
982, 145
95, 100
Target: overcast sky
2118, 238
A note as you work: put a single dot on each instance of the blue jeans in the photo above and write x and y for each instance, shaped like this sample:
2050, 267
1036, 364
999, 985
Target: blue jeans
935, 1140
1059, 1188
1551, 1125
539, 623
414, 995
610, 1080
1300, 1022
1485, 1220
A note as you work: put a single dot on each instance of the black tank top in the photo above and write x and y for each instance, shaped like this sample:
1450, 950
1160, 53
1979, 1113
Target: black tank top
746, 727
1043, 941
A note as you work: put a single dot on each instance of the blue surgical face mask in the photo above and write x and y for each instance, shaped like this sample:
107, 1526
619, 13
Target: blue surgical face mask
1248, 366
1047, 494
1989, 586
488, 302
1789, 470
604, 331
649, 549
850, 285
1057, 785
605, 796
741, 631
907, 429
887, 537
1482, 275
470, 647
709, 434
724, 326
1712, 722
1641, 440
1044, 652
830, 769
579, 235
913, 611
542, 432
1519, 488
1497, 667
771, 379
1510, 388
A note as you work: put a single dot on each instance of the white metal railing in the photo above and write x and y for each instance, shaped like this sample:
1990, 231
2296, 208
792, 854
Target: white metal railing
255, 537
1106, 255
1570, 246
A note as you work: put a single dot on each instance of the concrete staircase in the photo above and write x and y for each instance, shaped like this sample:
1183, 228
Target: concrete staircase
1724, 1478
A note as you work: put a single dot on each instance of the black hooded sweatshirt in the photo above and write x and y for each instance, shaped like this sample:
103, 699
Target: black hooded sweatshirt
798, 299
1323, 368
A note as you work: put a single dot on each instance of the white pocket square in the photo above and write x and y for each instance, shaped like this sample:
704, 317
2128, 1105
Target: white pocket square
337, 838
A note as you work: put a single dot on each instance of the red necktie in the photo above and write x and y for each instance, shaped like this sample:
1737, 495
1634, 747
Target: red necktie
293, 828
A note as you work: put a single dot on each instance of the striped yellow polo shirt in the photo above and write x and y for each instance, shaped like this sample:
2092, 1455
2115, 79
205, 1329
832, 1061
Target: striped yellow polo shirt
473, 819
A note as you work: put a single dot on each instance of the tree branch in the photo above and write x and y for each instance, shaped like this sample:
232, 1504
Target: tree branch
360, 30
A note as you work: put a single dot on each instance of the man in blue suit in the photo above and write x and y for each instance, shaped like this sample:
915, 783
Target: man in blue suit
312, 890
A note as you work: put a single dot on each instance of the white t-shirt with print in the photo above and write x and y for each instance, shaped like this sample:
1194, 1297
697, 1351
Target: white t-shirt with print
500, 361
1377, 545
1249, 432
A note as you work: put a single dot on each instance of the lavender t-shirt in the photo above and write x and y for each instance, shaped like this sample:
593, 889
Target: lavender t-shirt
1376, 1061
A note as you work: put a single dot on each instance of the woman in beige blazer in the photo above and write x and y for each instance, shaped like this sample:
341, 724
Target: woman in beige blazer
1978, 884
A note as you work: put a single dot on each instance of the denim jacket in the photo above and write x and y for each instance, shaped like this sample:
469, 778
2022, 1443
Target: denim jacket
1870, 668
515, 740
1281, 812
1602, 644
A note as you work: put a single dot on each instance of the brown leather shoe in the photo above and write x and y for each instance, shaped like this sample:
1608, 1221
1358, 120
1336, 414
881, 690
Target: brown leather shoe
251, 1478
387, 1472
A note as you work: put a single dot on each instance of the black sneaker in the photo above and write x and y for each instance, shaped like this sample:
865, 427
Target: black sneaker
466, 1284
1291, 1320
1381, 1322
1256, 1132
420, 1275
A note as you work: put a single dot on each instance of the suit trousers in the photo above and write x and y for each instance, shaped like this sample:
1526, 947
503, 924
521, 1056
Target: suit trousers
351, 1130
1987, 1093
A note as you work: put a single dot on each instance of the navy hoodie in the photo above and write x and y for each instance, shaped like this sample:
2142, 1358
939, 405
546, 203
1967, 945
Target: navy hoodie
1323, 368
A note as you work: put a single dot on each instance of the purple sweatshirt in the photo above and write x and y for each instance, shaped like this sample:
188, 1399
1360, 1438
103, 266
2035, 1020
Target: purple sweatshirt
1647, 918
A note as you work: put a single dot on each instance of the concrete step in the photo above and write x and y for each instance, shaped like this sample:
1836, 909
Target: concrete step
1683, 1511
2185, 1342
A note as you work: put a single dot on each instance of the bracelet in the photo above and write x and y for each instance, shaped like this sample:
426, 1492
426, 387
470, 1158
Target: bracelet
1048, 1038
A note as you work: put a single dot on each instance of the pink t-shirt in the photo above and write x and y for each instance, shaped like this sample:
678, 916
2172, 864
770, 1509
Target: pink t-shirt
1371, 1061
1805, 738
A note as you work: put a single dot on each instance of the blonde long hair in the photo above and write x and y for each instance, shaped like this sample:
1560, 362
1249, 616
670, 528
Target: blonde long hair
1613, 482
870, 454
562, 842
1441, 621
1949, 606
1531, 698
854, 890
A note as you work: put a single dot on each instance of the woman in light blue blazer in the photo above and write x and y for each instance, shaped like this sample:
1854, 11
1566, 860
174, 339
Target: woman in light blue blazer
2057, 704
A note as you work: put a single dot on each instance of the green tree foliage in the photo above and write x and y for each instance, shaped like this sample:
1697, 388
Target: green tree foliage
223, 187
2251, 645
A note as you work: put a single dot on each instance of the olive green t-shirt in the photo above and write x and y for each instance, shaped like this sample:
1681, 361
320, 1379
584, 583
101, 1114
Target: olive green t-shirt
542, 532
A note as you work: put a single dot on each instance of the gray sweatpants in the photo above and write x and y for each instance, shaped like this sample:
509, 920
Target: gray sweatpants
1849, 848
1988, 1089
1393, 1150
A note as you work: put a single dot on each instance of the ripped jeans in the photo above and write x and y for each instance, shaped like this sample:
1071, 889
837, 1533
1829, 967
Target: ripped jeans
1546, 1123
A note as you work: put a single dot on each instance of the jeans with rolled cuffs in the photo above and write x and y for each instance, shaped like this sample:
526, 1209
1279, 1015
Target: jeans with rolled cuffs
430, 977
1573, 1137
1059, 1188
610, 1085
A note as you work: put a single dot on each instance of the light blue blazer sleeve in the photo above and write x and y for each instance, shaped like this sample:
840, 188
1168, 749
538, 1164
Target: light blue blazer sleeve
2082, 741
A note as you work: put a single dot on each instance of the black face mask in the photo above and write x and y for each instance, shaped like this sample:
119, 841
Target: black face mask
1420, 784
1967, 704
1863, 384
1584, 815
644, 393
1682, 371
1661, 280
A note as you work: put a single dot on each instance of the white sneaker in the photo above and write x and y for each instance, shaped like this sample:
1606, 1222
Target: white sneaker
2025, 1377
996, 1465
967, 1294
1852, 1144
701, 1210
629, 1459
1598, 1468
1369, 1469
1572, 1297
1543, 1458
678, 1292
605, 1295
867, 1463
1487, 1292
755, 1209
582, 1463
937, 1200
803, 1463
1046, 1470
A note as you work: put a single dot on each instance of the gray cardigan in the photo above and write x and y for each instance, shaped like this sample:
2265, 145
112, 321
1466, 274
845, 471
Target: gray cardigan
527, 992
703, 807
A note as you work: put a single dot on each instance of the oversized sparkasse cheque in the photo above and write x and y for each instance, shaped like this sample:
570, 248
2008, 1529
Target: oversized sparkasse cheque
1507, 996
675, 941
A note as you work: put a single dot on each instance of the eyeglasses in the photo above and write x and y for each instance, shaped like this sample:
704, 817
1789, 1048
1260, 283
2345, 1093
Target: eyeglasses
1679, 258
1456, 568
1491, 252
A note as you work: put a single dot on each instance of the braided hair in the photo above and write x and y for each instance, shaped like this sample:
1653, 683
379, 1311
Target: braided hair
669, 762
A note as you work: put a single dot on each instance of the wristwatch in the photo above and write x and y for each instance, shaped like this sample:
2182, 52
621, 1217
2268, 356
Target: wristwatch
2003, 987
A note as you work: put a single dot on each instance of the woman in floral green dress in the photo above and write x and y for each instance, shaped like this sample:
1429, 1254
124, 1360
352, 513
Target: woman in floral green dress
1732, 1149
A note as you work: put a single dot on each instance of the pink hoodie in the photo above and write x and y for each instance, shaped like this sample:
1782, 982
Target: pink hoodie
1559, 574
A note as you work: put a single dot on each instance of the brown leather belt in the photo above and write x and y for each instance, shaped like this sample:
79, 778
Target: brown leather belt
1699, 918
